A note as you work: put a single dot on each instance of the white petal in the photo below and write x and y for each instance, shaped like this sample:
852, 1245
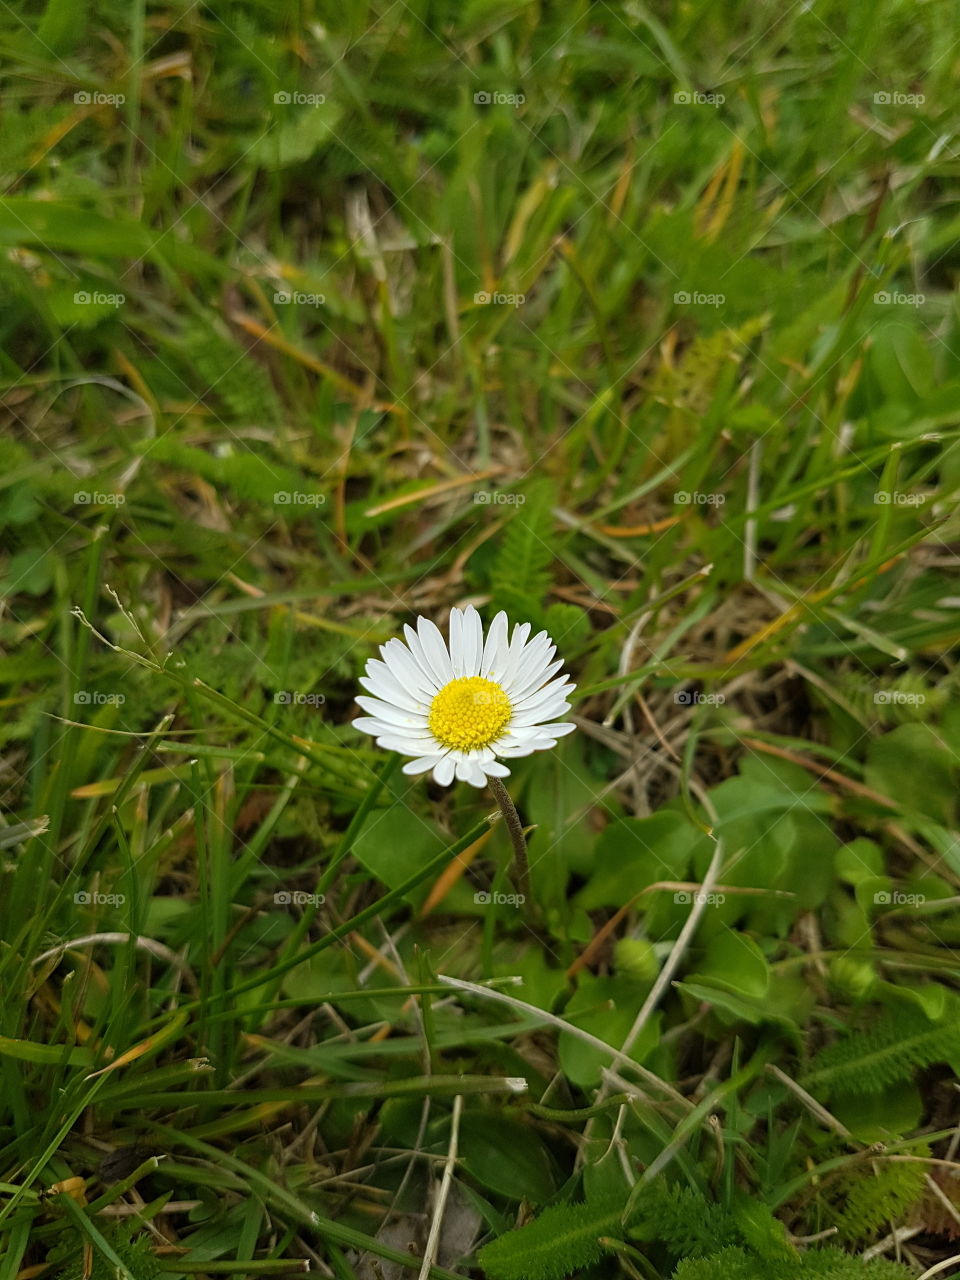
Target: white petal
470, 771
550, 710
471, 638
529, 682
393, 715
435, 651
537, 653
381, 673
366, 724
455, 628
422, 660
494, 769
396, 733
517, 641
560, 730
520, 733
496, 643
560, 686
405, 669
421, 764
512, 664
476, 777
444, 771
540, 715
370, 724
407, 746
534, 648
392, 693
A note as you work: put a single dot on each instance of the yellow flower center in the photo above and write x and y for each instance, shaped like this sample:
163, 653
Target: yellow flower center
469, 712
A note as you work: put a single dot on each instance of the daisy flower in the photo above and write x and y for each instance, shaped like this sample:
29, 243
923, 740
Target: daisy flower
463, 708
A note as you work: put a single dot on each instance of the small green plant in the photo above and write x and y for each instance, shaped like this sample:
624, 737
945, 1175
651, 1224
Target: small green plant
561, 1240
520, 576
817, 1264
867, 1195
885, 1048
697, 1236
136, 1254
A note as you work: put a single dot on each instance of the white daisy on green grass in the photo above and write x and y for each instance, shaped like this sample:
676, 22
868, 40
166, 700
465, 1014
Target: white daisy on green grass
461, 710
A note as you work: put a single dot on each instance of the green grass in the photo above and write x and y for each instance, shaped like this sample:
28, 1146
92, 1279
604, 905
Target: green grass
310, 326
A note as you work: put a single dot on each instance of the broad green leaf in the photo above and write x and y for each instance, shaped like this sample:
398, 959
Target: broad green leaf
607, 1008
505, 1156
394, 843
300, 130
879, 1116
911, 765
632, 853
775, 1008
858, 859
734, 962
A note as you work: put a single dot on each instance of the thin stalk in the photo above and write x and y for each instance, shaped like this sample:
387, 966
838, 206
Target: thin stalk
520, 873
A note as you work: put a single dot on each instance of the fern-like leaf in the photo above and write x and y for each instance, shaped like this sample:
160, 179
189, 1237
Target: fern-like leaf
244, 473
728, 1264
884, 1052
233, 376
691, 383
137, 1256
909, 697
568, 625
520, 578
681, 1219
817, 1264
873, 1194
759, 1228
834, 1264
709, 1243
562, 1240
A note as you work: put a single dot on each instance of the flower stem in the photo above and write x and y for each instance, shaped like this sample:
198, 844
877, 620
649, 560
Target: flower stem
520, 873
